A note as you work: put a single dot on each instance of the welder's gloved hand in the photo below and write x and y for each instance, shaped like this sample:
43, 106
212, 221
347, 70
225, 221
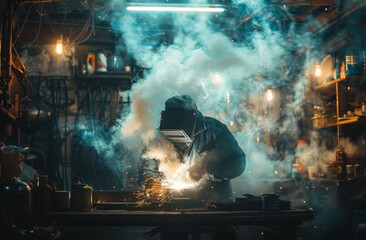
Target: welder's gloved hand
195, 173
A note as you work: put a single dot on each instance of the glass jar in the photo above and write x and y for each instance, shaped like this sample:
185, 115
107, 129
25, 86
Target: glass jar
341, 163
15, 203
352, 63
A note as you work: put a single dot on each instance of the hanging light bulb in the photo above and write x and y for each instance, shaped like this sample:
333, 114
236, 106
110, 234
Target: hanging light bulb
318, 70
59, 46
269, 95
217, 79
227, 97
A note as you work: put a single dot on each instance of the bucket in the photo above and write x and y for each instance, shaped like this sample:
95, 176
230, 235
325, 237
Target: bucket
15, 203
81, 197
10, 164
61, 200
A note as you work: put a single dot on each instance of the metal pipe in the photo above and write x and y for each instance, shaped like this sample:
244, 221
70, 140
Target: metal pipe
338, 112
8, 118
6, 48
6, 62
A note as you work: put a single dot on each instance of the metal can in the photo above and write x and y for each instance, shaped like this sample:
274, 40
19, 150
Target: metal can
352, 65
82, 197
62, 200
350, 171
358, 171
15, 203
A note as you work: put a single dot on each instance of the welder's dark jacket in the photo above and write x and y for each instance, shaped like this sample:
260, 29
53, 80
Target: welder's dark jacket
214, 153
213, 144
217, 148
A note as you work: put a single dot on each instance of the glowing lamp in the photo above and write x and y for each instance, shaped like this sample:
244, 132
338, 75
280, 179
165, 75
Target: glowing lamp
59, 46
217, 79
269, 95
318, 70
227, 97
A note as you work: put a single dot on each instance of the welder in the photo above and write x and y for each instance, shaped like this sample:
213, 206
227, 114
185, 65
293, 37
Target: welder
206, 145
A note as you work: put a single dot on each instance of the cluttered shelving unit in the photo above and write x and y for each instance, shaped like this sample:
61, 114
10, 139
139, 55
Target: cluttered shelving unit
342, 115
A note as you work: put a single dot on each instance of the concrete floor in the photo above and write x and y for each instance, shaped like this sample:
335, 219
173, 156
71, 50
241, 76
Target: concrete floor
139, 233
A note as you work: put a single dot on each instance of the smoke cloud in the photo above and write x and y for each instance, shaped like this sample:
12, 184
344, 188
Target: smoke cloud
225, 70
220, 73
226, 64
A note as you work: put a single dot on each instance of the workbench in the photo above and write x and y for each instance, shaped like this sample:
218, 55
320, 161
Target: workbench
281, 224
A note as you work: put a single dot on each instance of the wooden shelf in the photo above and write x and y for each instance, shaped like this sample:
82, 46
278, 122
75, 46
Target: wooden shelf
107, 76
330, 87
344, 121
107, 79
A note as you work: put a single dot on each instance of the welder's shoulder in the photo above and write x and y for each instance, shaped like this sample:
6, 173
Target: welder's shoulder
214, 124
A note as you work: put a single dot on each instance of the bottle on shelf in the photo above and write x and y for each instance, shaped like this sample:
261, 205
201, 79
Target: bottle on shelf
90, 63
352, 62
337, 68
363, 108
42, 197
35, 183
342, 70
341, 162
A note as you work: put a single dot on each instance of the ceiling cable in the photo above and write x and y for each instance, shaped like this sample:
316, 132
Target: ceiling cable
38, 31
24, 23
89, 22
314, 23
40, 13
64, 17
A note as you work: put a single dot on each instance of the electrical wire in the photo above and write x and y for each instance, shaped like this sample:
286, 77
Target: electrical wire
93, 7
89, 22
83, 35
314, 23
42, 14
54, 91
64, 17
22, 72
97, 103
92, 31
38, 31
339, 14
17, 35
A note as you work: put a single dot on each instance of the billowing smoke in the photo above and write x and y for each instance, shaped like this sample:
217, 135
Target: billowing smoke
228, 65
227, 76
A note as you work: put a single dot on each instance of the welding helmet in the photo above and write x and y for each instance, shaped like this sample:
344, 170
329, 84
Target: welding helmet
178, 120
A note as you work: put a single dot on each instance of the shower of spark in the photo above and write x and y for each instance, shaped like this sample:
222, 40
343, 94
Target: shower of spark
153, 191
180, 180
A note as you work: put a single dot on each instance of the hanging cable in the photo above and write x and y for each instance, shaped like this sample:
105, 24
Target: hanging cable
314, 23
339, 14
89, 22
38, 31
17, 35
64, 17
42, 7
318, 70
